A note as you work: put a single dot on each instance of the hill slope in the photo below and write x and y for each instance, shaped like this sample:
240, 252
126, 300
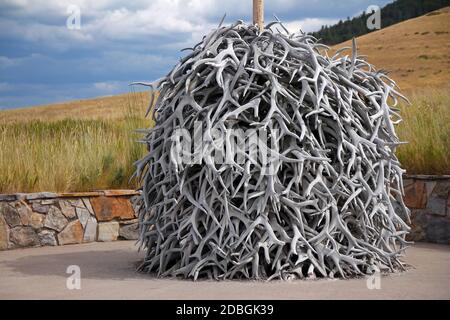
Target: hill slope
392, 13
104, 108
415, 52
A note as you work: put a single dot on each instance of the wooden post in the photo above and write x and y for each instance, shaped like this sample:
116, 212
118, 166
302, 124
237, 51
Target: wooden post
258, 13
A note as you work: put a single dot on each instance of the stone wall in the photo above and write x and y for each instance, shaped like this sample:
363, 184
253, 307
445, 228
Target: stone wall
51, 219
428, 197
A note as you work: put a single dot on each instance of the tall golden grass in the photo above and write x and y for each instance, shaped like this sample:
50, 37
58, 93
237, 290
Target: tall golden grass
75, 153
72, 153
426, 128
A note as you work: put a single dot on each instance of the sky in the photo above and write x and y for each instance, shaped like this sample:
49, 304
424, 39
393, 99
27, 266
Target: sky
48, 55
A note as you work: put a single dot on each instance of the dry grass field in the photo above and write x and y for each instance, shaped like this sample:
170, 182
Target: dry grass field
415, 52
90, 144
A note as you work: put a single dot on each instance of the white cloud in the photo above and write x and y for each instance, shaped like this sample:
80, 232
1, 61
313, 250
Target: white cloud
107, 86
4, 86
120, 20
7, 62
309, 24
122, 40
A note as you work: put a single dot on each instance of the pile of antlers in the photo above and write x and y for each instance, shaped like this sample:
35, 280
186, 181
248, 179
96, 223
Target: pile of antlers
331, 204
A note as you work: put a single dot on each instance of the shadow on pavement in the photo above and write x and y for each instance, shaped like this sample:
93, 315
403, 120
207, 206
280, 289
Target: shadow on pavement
111, 264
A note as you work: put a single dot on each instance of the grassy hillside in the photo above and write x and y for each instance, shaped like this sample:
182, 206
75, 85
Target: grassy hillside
416, 52
392, 13
104, 108
90, 144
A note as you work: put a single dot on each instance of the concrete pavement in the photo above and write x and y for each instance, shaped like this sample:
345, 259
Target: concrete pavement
107, 272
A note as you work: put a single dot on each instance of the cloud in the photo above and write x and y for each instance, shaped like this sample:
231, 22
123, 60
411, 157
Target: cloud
106, 86
309, 24
6, 62
123, 41
4, 86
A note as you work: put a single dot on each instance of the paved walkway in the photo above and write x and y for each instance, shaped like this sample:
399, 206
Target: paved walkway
107, 272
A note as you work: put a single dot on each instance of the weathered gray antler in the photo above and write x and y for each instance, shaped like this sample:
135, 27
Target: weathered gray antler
332, 206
